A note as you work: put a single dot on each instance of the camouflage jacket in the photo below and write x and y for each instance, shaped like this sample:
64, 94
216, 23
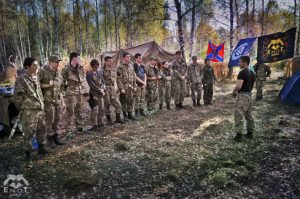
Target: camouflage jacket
73, 78
126, 77
151, 72
165, 72
179, 69
28, 94
262, 71
52, 94
194, 73
95, 81
109, 75
208, 74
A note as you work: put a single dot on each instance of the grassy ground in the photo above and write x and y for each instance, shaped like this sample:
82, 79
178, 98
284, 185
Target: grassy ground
174, 154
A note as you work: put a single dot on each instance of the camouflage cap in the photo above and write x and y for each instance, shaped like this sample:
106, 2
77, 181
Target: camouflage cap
54, 58
153, 58
194, 58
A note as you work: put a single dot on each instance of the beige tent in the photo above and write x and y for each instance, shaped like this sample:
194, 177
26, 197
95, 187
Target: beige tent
149, 49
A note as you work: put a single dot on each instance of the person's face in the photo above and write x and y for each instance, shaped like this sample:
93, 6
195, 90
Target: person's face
95, 68
76, 60
242, 64
108, 62
207, 62
179, 56
166, 65
139, 60
126, 59
33, 68
153, 62
194, 61
54, 65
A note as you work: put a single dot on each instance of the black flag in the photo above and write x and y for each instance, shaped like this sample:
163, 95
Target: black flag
276, 47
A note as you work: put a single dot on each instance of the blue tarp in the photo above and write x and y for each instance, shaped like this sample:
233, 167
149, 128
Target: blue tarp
290, 93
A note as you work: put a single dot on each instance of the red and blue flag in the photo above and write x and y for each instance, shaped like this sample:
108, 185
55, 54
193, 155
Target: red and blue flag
215, 53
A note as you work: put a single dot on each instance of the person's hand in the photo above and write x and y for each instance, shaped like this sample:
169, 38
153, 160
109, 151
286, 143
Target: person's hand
183, 77
51, 83
158, 77
63, 106
123, 91
134, 89
234, 95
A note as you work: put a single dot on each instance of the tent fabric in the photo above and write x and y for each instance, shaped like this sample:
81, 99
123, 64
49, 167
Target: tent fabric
290, 93
149, 49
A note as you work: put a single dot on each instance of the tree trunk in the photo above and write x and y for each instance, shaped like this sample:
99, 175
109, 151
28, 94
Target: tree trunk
263, 17
179, 24
56, 11
97, 25
230, 72
78, 8
74, 26
193, 24
105, 24
87, 19
247, 17
298, 40
3, 35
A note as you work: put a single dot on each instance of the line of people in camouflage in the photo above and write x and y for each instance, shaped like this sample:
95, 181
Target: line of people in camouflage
40, 95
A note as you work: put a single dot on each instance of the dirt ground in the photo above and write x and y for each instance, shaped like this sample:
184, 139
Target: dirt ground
173, 154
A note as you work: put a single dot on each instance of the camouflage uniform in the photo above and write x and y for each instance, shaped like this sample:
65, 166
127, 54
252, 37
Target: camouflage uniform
28, 98
179, 69
165, 86
96, 83
262, 72
140, 97
208, 83
126, 81
195, 80
110, 97
243, 108
51, 98
151, 87
72, 82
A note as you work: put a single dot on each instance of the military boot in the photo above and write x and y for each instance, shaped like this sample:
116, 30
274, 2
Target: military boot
57, 141
28, 159
181, 106
51, 142
194, 103
42, 149
142, 112
168, 107
238, 137
198, 102
125, 117
118, 119
160, 107
130, 116
136, 112
249, 135
108, 119
177, 107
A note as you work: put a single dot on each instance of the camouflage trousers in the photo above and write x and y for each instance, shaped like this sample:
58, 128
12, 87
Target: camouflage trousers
127, 100
140, 98
110, 99
165, 94
196, 88
52, 118
259, 88
33, 124
151, 97
73, 108
179, 91
243, 110
97, 111
208, 92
